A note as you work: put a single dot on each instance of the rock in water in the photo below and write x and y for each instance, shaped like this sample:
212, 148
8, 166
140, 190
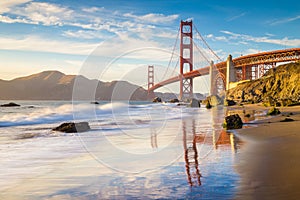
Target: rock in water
174, 101
233, 122
273, 111
71, 127
208, 105
195, 103
229, 102
11, 104
157, 100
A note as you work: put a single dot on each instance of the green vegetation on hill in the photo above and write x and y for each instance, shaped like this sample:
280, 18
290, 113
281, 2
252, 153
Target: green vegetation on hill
278, 87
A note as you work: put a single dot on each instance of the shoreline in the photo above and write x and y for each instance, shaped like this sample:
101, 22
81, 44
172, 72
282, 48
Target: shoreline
269, 163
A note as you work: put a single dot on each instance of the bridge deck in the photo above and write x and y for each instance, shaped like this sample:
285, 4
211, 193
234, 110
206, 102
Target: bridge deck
284, 55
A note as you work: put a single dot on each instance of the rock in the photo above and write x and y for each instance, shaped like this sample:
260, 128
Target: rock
174, 101
11, 104
195, 103
157, 100
287, 120
208, 105
94, 102
273, 111
233, 122
71, 127
247, 115
229, 102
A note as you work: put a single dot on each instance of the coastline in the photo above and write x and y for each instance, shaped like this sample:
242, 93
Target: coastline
269, 163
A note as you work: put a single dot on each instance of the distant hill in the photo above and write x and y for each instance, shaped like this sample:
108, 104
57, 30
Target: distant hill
54, 85
280, 86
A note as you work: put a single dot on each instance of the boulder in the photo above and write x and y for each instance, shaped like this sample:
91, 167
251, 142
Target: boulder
273, 111
208, 105
233, 122
71, 127
11, 104
229, 102
174, 101
195, 103
157, 100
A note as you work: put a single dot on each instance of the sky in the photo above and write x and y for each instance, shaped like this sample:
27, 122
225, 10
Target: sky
118, 39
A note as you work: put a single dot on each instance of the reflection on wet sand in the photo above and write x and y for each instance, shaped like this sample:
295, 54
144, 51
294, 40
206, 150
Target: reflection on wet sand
193, 137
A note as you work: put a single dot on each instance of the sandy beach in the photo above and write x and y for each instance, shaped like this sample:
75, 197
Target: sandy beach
269, 163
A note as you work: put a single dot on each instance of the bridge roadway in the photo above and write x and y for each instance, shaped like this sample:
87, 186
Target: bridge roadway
250, 60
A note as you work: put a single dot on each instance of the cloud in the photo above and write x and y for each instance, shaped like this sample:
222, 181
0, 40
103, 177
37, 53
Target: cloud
236, 17
283, 21
8, 20
37, 44
5, 5
83, 34
45, 13
92, 9
243, 38
153, 18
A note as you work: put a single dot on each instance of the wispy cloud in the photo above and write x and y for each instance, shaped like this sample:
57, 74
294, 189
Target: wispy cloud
244, 39
92, 9
84, 34
152, 17
37, 44
236, 17
287, 20
5, 5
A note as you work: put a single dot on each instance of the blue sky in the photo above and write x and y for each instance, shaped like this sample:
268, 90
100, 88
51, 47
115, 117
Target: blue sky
125, 35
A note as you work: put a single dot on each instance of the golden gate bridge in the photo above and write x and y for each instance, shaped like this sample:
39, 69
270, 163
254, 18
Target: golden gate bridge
222, 73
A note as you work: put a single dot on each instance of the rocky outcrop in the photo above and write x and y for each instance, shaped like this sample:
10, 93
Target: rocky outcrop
213, 100
71, 127
278, 87
233, 122
11, 104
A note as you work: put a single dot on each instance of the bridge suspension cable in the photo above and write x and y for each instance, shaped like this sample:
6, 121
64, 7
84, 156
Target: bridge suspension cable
211, 50
173, 51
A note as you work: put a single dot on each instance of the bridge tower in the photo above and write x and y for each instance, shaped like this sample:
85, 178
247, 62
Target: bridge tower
186, 59
150, 81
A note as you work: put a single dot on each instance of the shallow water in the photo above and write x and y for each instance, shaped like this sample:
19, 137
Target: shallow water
133, 150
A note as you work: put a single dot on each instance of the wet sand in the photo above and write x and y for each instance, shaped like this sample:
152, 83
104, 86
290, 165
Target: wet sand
269, 165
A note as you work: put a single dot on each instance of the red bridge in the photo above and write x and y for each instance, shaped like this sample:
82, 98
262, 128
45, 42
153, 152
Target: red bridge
223, 73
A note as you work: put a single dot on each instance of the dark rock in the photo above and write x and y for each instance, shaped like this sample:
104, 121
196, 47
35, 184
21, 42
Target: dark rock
71, 127
273, 111
174, 101
94, 102
157, 100
248, 115
233, 122
229, 102
208, 105
195, 103
287, 120
11, 104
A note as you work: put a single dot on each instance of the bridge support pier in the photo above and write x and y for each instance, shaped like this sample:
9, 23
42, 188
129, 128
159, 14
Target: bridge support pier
230, 73
212, 73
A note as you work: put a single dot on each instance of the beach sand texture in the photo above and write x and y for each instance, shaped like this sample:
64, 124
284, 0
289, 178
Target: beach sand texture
269, 165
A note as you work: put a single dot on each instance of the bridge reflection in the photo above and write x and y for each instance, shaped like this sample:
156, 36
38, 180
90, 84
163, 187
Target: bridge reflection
196, 140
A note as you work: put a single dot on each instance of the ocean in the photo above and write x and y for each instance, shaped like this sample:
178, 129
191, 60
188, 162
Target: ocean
134, 150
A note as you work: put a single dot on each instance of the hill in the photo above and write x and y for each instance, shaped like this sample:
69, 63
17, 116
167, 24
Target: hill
279, 86
54, 85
